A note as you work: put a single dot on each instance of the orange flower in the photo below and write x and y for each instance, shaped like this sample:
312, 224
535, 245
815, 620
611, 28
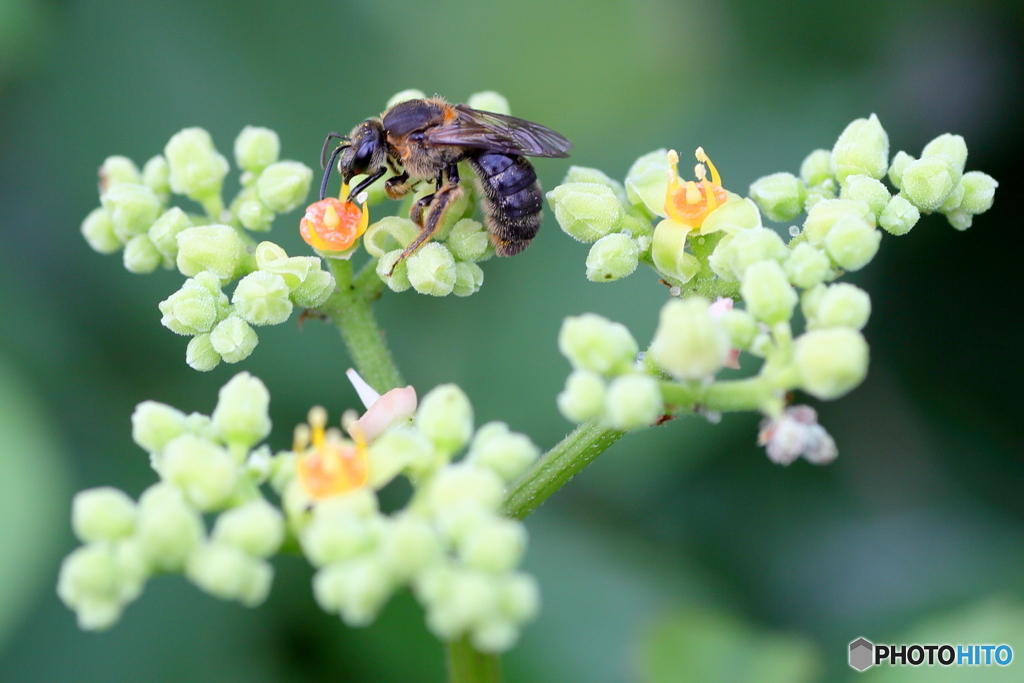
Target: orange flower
690, 203
332, 224
331, 466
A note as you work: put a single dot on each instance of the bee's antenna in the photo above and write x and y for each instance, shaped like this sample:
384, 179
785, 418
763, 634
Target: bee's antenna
327, 143
327, 170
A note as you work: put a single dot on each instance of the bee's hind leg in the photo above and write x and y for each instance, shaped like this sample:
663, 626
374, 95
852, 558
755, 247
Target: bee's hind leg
439, 203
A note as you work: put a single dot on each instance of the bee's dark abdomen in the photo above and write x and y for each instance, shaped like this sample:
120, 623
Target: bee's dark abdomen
512, 199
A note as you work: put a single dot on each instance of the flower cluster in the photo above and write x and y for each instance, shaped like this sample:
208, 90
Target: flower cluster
450, 543
448, 264
712, 247
213, 249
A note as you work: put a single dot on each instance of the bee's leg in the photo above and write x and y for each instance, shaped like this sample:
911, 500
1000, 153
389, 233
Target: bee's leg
453, 174
399, 186
416, 212
444, 198
366, 182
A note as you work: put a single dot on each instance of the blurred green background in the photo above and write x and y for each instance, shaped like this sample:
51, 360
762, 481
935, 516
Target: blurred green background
682, 554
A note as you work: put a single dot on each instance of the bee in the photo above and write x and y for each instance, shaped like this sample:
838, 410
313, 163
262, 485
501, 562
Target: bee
424, 140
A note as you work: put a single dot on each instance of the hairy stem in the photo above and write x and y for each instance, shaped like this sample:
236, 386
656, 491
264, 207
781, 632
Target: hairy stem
467, 665
349, 309
556, 467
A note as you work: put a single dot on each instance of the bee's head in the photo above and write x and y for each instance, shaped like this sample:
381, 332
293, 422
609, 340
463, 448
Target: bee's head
363, 151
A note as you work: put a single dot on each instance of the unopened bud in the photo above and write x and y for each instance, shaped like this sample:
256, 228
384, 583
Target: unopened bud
863, 147
488, 100
979, 192
241, 416
632, 401
283, 186
468, 278
431, 270
102, 514
216, 248
164, 233
582, 174
141, 255
256, 148
197, 169
831, 362
952, 146
594, 343
767, 292
807, 265
852, 243
816, 167
612, 257
899, 216
505, 452
469, 241
689, 343
929, 180
200, 354
132, 208
256, 527
842, 305
899, 164
233, 339
647, 181
868, 190
445, 416
98, 231
262, 298
586, 211
205, 472
780, 196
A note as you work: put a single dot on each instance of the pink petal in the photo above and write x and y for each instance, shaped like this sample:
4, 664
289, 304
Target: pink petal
395, 405
720, 306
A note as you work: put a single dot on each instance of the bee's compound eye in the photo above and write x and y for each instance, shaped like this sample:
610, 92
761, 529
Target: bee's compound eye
363, 155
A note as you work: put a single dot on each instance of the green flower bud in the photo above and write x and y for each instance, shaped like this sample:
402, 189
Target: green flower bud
164, 233
314, 290
807, 265
405, 96
852, 243
494, 636
689, 344
200, 354
929, 180
241, 416
868, 190
647, 181
816, 167
233, 339
256, 527
979, 192
338, 532
740, 326
586, 211
831, 362
193, 309
399, 280
583, 396
156, 174
612, 257
409, 544
464, 598
488, 100
154, 424
505, 452
862, 148
389, 232
817, 193
102, 514
465, 487
356, 589
98, 231
582, 174
205, 472
842, 305
952, 146
824, 215
398, 448
197, 169
767, 292
117, 170
283, 186
261, 298
431, 270
469, 241
167, 528
256, 148
811, 299
960, 219
495, 546
898, 166
216, 248
899, 216
132, 208
667, 250
141, 255
748, 247
445, 416
251, 212
519, 597
632, 401
780, 196
468, 278
228, 573
952, 202
592, 342
89, 584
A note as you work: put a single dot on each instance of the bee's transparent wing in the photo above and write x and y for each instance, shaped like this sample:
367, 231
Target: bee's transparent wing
499, 133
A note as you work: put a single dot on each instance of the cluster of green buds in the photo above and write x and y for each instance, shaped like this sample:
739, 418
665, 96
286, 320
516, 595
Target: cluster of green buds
450, 543
448, 264
712, 248
215, 248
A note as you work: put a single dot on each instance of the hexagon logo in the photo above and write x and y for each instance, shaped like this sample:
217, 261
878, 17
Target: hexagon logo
862, 654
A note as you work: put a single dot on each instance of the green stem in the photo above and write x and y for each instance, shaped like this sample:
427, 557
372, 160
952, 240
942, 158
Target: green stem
467, 665
556, 467
349, 309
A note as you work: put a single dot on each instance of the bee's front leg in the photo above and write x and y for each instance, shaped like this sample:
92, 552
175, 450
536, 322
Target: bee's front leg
436, 206
399, 185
